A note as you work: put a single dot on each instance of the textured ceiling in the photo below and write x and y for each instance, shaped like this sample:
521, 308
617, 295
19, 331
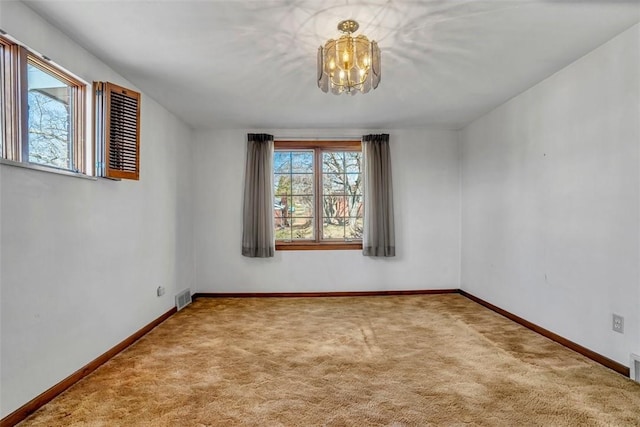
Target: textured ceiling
252, 64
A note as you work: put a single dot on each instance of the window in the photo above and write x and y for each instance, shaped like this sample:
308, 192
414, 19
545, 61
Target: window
318, 190
42, 119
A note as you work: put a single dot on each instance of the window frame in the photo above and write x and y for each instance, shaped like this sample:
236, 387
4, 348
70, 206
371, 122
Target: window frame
318, 147
15, 114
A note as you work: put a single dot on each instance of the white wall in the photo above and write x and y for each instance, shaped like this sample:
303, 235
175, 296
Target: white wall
550, 190
81, 259
426, 196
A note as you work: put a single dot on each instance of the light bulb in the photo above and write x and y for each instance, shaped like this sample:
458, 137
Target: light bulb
366, 60
345, 56
332, 64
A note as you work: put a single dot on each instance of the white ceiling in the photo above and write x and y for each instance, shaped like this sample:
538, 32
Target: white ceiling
252, 64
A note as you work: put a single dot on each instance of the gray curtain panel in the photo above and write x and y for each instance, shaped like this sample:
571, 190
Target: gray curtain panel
257, 217
379, 236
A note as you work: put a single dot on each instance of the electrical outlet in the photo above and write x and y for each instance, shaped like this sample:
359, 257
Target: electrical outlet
618, 323
160, 291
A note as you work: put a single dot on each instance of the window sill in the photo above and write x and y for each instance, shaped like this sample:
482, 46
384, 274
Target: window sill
313, 246
48, 169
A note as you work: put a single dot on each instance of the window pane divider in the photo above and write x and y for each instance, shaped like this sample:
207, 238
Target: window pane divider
317, 188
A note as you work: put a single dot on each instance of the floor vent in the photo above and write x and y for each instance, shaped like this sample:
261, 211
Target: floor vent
183, 299
635, 367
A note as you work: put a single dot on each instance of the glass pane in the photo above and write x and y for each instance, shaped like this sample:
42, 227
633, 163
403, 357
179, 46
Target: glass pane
282, 161
302, 161
301, 206
353, 228
332, 183
302, 228
354, 206
352, 161
333, 209
333, 161
281, 184
333, 231
283, 231
302, 184
293, 215
49, 101
354, 183
281, 212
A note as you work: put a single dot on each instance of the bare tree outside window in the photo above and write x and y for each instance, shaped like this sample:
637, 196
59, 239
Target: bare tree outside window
293, 206
319, 187
342, 195
49, 119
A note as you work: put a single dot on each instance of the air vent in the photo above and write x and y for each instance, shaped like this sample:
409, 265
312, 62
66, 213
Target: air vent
183, 299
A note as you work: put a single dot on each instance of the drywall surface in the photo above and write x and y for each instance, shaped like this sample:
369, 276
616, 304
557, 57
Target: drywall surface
550, 196
81, 259
426, 197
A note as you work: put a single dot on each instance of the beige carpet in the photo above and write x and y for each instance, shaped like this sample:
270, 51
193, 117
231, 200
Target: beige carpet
363, 361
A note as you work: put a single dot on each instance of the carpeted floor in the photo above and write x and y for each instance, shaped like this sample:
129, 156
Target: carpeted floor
363, 361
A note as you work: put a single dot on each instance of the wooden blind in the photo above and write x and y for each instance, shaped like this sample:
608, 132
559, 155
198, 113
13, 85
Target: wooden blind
117, 131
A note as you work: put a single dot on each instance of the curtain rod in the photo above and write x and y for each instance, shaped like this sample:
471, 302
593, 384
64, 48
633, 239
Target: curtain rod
330, 138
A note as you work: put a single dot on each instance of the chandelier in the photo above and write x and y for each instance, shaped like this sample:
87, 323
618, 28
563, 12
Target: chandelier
349, 64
